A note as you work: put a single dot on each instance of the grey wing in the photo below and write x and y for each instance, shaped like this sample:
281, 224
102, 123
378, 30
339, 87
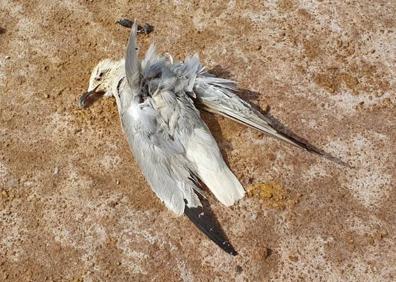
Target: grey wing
160, 158
217, 95
150, 116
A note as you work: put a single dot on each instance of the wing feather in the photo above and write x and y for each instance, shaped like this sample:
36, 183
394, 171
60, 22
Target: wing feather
203, 218
217, 96
160, 159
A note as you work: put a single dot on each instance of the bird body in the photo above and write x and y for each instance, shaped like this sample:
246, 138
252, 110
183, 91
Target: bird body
171, 144
168, 138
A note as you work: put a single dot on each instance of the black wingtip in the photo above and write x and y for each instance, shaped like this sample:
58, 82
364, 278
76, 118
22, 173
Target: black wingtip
203, 218
299, 142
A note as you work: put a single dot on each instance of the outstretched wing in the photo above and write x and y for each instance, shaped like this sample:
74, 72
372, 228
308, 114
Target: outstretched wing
217, 95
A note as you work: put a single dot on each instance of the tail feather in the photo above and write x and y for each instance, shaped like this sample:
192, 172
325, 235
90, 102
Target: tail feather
223, 184
209, 165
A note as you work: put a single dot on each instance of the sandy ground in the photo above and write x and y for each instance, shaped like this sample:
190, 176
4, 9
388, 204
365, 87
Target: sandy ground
75, 207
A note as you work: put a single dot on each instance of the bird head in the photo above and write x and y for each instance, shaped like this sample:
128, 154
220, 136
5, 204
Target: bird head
101, 82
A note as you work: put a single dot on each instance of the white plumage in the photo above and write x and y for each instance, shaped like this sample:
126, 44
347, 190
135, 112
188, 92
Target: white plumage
166, 134
203, 152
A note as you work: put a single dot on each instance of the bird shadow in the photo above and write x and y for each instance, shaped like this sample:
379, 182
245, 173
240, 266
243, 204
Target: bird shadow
2, 30
252, 97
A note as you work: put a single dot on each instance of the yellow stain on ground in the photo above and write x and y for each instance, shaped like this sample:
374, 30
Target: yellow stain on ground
271, 194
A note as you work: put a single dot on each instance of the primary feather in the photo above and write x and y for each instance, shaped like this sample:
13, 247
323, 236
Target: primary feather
217, 95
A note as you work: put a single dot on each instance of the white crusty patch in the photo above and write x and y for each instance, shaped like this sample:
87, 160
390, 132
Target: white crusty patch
12, 233
3, 173
369, 180
110, 162
309, 257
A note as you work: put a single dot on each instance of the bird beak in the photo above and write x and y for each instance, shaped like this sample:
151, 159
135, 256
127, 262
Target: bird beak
89, 97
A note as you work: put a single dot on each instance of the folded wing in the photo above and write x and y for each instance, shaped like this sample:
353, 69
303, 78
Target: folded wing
169, 140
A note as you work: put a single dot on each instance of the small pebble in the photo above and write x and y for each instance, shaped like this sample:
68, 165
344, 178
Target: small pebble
56, 171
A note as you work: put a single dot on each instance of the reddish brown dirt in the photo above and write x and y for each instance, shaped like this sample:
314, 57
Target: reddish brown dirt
75, 207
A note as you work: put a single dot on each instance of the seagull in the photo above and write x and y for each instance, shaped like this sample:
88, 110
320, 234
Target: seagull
157, 100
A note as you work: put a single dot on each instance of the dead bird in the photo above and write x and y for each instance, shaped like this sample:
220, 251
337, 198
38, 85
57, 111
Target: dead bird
156, 98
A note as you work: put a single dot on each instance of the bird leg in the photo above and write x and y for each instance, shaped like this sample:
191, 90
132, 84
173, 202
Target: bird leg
146, 28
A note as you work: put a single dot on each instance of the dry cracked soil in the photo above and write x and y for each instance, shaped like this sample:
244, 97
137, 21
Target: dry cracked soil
75, 207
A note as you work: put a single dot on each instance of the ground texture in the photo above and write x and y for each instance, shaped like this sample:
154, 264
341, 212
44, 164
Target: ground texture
75, 207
